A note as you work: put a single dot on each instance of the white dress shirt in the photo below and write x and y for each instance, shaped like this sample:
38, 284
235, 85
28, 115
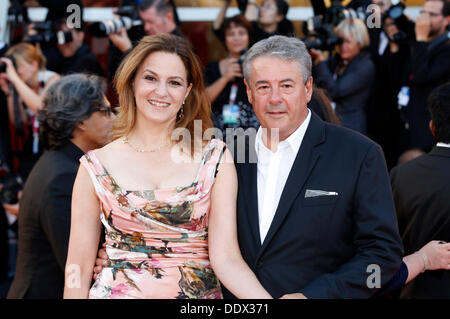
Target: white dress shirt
440, 144
273, 171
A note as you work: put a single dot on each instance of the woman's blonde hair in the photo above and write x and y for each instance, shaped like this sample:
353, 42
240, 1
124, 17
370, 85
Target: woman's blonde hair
196, 107
356, 29
28, 52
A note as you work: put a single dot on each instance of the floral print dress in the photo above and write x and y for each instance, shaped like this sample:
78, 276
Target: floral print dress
156, 240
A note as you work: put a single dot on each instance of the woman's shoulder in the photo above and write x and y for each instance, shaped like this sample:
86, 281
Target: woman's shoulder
109, 149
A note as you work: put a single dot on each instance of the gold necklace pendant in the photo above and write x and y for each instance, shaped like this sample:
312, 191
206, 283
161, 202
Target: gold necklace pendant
127, 141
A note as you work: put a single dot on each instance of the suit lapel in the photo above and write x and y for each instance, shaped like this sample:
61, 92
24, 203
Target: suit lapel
250, 188
304, 162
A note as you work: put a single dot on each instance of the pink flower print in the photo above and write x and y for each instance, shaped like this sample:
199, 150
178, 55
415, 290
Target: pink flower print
119, 290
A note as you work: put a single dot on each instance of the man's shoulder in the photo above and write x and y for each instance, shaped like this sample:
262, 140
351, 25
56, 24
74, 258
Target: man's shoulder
344, 137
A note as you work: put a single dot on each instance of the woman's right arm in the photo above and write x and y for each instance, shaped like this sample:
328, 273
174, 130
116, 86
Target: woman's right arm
251, 11
85, 232
221, 16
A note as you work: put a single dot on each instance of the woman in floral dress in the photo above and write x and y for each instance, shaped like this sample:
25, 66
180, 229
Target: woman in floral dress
165, 196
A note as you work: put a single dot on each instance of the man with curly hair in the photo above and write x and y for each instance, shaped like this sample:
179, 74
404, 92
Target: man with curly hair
76, 118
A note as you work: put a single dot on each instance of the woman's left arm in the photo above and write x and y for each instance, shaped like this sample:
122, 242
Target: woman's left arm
224, 252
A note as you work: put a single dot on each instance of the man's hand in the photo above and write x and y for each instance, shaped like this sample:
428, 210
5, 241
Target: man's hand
121, 40
297, 295
100, 262
423, 25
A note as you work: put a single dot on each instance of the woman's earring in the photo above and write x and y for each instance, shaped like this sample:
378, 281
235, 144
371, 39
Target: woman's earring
181, 112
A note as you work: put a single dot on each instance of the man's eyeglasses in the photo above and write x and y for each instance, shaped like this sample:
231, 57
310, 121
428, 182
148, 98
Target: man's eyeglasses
432, 14
107, 110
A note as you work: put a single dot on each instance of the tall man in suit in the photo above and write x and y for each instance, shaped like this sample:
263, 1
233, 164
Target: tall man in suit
76, 118
315, 211
421, 188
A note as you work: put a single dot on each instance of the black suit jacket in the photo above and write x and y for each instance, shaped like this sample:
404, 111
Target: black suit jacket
322, 246
44, 225
421, 191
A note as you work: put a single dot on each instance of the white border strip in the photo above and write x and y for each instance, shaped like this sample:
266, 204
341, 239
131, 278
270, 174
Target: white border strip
191, 14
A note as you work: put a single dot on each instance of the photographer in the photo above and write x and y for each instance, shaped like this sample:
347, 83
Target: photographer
430, 67
224, 80
267, 19
24, 82
385, 121
348, 76
157, 16
73, 56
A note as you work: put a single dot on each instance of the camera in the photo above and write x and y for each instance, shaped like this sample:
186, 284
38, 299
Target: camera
47, 34
319, 29
404, 25
3, 64
128, 19
12, 184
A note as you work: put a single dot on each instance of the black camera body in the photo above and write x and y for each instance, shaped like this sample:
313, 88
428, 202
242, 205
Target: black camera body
319, 29
48, 34
3, 64
12, 184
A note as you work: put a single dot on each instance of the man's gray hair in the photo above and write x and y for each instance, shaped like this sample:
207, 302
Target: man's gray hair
282, 47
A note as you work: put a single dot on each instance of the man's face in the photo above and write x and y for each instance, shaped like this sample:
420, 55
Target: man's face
438, 22
278, 94
268, 13
98, 127
154, 23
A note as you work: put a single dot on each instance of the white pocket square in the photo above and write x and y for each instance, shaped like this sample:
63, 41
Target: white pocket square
315, 193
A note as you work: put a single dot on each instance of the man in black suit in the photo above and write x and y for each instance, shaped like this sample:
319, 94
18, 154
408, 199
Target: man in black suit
315, 212
430, 67
76, 118
421, 189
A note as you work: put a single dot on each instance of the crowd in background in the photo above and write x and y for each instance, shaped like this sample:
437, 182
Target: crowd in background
375, 81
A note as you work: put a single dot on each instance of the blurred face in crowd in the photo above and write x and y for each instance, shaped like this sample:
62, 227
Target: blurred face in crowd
268, 13
70, 48
98, 127
390, 28
160, 87
349, 48
278, 94
438, 23
155, 22
384, 5
236, 39
26, 70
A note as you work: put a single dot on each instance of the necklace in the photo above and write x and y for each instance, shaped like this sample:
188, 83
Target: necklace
126, 141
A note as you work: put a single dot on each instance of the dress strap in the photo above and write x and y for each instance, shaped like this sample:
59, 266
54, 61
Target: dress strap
210, 163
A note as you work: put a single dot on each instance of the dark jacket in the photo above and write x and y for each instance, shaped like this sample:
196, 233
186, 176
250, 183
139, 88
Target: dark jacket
350, 91
322, 246
44, 225
421, 191
430, 67
83, 61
